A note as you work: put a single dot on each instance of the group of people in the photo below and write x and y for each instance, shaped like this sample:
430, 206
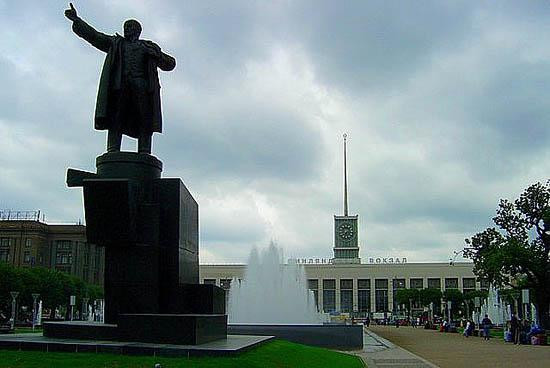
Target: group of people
485, 326
520, 331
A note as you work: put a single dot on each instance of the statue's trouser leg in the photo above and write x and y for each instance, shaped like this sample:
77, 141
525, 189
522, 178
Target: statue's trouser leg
144, 143
114, 139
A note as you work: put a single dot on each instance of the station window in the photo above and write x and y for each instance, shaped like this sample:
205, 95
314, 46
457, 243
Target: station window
346, 295
381, 295
451, 283
417, 283
434, 283
329, 295
363, 295
313, 286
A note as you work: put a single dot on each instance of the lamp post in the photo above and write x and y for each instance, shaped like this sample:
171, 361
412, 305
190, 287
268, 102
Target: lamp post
14, 295
525, 301
34, 298
72, 302
85, 308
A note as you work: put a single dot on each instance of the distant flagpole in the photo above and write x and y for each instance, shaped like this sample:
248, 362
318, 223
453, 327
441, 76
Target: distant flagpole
345, 178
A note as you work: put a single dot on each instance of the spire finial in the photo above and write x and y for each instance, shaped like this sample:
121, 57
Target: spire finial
345, 178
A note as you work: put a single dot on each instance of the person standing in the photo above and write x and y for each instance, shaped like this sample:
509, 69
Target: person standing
486, 323
514, 328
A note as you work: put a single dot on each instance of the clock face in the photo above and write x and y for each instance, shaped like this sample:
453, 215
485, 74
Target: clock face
345, 231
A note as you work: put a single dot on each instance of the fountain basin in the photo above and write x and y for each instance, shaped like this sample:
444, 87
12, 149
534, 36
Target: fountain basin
333, 336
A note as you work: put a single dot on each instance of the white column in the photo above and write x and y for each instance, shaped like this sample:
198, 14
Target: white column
338, 305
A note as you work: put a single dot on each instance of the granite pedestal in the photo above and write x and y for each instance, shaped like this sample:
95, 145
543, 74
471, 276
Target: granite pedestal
149, 227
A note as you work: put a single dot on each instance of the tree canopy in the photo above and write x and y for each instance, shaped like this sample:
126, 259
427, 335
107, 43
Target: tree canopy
54, 287
517, 251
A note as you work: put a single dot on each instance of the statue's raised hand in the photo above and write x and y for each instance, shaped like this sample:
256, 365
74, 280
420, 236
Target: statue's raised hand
71, 13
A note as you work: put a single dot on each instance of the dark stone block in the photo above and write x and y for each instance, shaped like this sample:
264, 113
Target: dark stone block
32, 345
131, 281
110, 211
80, 330
344, 337
182, 329
198, 299
178, 238
61, 347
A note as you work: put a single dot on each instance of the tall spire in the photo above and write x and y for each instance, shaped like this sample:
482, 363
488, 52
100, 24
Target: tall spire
345, 179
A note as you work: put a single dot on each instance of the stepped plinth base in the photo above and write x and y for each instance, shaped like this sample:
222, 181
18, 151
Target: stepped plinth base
179, 329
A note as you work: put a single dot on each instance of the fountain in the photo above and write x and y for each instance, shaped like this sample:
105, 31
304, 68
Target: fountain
273, 300
272, 292
494, 308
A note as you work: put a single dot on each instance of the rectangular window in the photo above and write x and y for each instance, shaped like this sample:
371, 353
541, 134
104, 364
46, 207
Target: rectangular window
451, 283
313, 285
363, 300
6, 242
63, 244
434, 283
484, 284
225, 284
381, 295
346, 295
417, 283
363, 295
329, 295
397, 284
363, 284
469, 283
381, 284
27, 257
4, 255
28, 243
64, 258
346, 284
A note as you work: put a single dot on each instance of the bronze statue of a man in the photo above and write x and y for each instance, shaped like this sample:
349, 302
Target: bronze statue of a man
128, 99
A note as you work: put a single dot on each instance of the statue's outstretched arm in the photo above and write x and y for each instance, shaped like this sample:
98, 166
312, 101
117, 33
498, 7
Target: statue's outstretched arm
166, 62
87, 32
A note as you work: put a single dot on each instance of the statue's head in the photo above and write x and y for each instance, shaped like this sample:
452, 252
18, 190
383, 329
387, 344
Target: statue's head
132, 29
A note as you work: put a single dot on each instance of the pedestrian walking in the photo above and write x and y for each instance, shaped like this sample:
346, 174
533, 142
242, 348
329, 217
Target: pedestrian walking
486, 323
514, 328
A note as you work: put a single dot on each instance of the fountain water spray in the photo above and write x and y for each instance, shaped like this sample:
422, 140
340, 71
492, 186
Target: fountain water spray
272, 292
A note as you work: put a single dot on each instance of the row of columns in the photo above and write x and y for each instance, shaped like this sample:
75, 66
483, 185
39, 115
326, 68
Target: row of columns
355, 291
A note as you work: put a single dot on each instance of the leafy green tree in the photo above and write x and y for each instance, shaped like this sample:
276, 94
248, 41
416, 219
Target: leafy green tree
520, 248
430, 295
406, 297
54, 287
456, 298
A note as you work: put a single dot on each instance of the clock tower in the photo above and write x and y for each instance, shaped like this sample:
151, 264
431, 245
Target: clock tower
346, 240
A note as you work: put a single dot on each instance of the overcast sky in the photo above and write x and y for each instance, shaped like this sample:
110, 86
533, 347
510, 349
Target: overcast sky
446, 105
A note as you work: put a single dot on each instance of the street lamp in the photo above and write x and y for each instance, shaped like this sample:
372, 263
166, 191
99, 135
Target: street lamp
14, 295
85, 308
34, 297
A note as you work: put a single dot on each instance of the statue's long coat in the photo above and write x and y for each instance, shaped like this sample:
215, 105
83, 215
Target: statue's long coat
111, 78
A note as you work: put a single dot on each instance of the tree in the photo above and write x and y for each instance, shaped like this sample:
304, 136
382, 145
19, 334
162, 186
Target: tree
54, 287
454, 296
520, 249
469, 299
406, 297
430, 295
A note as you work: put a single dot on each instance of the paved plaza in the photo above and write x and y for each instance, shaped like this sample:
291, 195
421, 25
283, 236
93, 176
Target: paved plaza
454, 350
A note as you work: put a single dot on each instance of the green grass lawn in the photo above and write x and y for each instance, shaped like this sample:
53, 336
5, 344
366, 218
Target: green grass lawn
278, 353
